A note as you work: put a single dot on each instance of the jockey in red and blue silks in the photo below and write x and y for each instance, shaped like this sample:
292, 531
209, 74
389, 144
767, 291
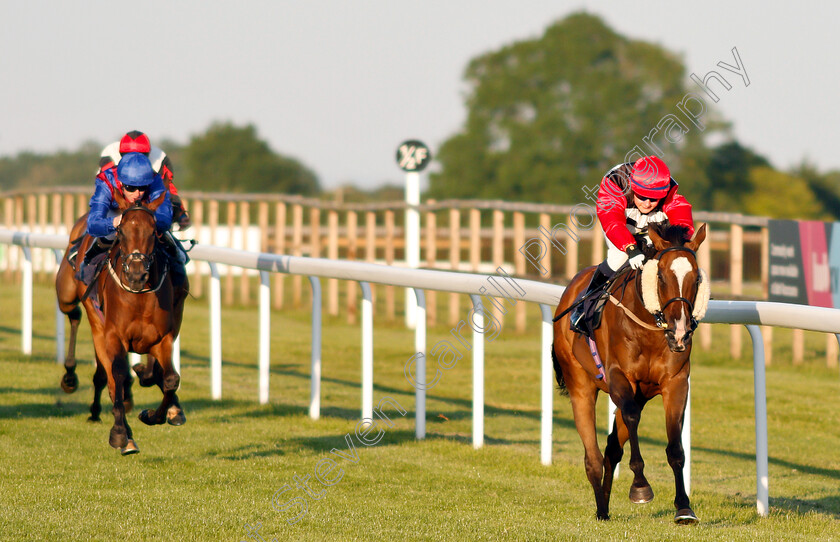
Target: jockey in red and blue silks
137, 182
136, 141
631, 197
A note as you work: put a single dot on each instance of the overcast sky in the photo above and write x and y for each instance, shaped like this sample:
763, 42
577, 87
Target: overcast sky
339, 84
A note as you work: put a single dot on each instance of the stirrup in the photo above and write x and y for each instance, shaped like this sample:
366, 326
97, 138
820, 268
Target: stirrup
576, 319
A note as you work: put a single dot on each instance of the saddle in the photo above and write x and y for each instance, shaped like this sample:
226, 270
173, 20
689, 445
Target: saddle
593, 311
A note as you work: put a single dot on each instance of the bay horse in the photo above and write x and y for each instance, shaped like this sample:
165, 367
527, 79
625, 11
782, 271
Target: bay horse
644, 342
133, 307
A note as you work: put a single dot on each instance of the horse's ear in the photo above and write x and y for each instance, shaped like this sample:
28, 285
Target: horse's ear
154, 204
122, 203
699, 237
658, 242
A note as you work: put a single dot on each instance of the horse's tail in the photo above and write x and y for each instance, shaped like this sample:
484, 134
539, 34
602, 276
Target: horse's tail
558, 373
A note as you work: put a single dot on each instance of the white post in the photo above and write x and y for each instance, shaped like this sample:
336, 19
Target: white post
134, 359
545, 385
176, 354
265, 335
26, 313
762, 496
412, 240
367, 352
420, 348
315, 359
215, 332
478, 373
59, 320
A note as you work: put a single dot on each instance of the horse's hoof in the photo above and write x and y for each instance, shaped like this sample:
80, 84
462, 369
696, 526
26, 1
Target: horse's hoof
641, 495
130, 448
685, 517
69, 383
146, 417
175, 416
118, 438
94, 419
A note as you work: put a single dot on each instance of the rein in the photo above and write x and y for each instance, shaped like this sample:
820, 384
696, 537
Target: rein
633, 316
141, 290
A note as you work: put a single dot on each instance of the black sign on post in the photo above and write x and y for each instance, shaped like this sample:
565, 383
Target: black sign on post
787, 274
413, 155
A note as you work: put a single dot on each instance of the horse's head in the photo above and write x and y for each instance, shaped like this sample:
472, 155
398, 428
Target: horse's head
136, 235
674, 289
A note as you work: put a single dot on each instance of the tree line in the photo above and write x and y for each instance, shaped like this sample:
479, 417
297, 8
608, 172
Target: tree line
224, 158
545, 116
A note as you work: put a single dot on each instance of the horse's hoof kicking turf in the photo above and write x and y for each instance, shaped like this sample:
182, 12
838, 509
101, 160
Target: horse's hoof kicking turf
641, 495
175, 416
130, 448
685, 517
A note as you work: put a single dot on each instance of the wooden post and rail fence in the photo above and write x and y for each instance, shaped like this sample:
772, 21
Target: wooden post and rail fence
463, 235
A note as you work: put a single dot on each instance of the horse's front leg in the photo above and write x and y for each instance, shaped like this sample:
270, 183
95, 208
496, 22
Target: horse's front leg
169, 410
115, 361
623, 396
674, 397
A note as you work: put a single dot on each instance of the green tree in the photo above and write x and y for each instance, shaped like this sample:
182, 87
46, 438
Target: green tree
781, 195
728, 169
547, 115
228, 158
64, 168
825, 186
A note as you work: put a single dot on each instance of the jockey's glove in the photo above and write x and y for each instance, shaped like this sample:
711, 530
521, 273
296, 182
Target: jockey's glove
635, 256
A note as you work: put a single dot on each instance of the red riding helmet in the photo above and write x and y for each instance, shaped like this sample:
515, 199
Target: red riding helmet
135, 141
651, 178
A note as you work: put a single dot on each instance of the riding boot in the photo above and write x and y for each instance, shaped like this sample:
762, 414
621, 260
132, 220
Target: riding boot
179, 213
599, 278
97, 248
177, 259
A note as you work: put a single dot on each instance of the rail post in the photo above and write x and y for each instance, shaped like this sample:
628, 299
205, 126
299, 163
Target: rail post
315, 356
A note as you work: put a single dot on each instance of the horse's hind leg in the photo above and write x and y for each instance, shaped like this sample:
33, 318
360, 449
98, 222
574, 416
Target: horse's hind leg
70, 381
169, 410
623, 395
613, 453
149, 372
583, 408
674, 398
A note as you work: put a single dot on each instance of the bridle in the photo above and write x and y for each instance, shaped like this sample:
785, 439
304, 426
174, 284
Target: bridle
658, 314
145, 259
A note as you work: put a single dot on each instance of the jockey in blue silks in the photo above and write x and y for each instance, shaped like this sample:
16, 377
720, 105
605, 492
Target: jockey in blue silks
137, 181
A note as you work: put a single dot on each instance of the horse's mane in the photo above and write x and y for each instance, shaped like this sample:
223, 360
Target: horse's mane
676, 235
673, 234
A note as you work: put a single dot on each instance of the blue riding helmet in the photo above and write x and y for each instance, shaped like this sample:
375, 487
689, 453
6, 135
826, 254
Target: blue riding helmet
135, 169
